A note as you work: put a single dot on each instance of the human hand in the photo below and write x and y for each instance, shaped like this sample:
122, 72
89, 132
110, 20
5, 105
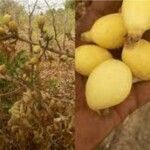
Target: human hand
90, 127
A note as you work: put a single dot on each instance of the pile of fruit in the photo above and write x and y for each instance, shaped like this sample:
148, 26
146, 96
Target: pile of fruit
110, 80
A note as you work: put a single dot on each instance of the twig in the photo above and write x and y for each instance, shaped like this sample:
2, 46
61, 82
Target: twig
48, 48
34, 7
55, 31
12, 92
64, 39
7, 37
54, 26
47, 40
60, 53
30, 25
27, 41
22, 86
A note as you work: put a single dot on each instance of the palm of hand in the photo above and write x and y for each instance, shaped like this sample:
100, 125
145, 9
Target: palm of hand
90, 127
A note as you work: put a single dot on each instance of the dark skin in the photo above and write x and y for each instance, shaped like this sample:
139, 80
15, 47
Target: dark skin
91, 128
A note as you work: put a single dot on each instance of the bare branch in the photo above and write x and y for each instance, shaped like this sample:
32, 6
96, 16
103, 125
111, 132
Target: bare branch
60, 53
27, 41
31, 13
7, 37
64, 38
34, 43
54, 26
30, 25
55, 30
12, 92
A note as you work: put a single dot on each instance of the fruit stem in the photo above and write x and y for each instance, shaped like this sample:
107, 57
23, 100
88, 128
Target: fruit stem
86, 36
133, 37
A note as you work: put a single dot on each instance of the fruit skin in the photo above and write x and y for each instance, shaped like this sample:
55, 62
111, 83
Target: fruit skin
86, 36
6, 19
136, 15
108, 85
87, 57
109, 31
137, 57
12, 26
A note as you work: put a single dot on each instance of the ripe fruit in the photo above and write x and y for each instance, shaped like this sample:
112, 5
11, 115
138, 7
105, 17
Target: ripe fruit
2, 31
108, 85
108, 31
86, 36
12, 26
6, 19
36, 49
136, 15
137, 57
41, 21
87, 57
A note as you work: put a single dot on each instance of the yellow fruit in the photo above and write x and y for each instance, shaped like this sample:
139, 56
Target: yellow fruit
108, 31
2, 31
41, 21
12, 26
86, 36
36, 49
7, 18
87, 57
108, 85
136, 14
137, 57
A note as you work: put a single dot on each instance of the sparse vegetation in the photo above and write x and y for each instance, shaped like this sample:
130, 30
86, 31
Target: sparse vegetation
36, 76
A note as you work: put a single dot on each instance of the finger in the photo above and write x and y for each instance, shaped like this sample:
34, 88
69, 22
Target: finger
127, 106
91, 129
140, 95
142, 92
